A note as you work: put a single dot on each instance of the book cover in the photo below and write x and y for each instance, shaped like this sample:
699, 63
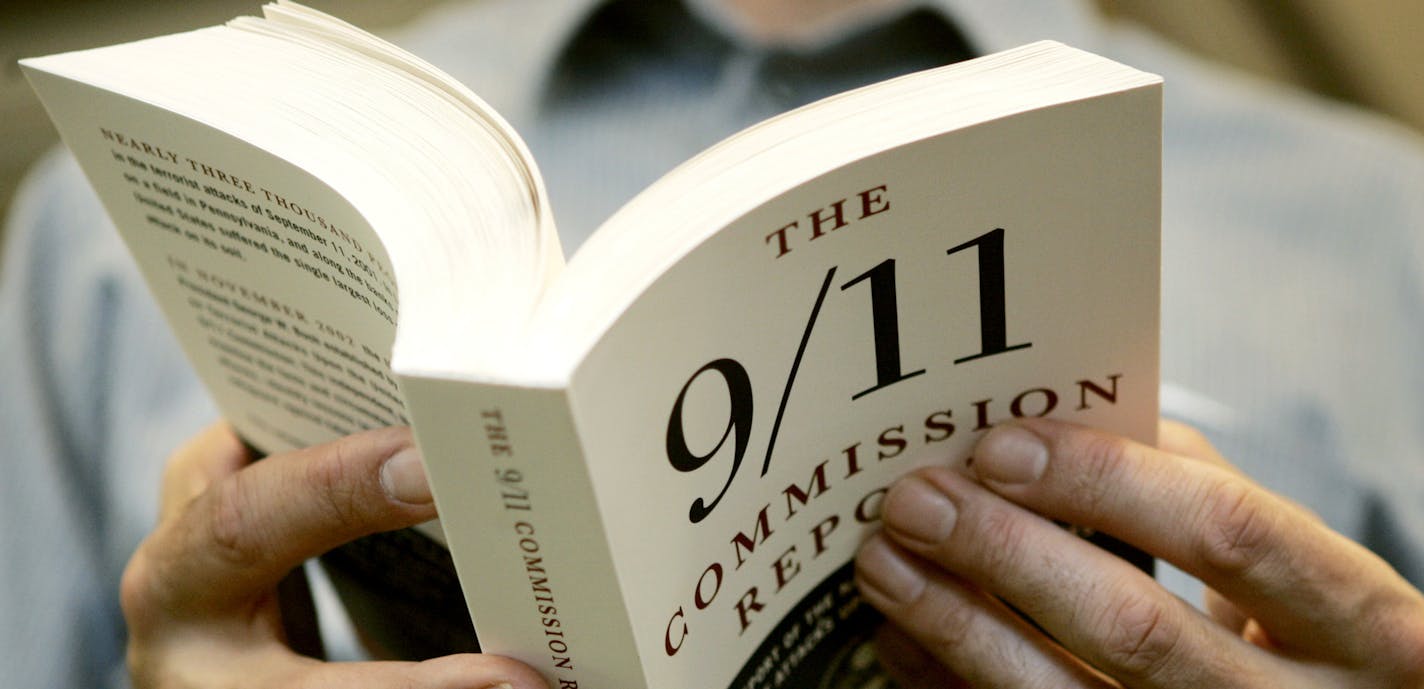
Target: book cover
653, 465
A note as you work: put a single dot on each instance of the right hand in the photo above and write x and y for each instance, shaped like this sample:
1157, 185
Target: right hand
1293, 603
199, 595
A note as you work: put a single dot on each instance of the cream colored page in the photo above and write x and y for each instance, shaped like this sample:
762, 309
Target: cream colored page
899, 369
278, 290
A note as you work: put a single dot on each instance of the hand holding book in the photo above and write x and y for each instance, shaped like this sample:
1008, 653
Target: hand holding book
198, 594
654, 463
1288, 597
200, 597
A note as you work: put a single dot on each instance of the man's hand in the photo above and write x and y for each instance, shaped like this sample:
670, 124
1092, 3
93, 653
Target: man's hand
1293, 604
199, 595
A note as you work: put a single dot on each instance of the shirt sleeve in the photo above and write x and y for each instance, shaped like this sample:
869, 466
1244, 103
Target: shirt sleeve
1293, 292
95, 395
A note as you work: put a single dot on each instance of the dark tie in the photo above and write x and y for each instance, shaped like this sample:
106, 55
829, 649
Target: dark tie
919, 39
638, 40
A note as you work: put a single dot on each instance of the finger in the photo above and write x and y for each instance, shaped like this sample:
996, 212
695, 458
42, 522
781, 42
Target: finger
1182, 440
240, 537
1099, 607
466, 671
1225, 612
1230, 617
977, 639
909, 664
1277, 563
271, 665
212, 454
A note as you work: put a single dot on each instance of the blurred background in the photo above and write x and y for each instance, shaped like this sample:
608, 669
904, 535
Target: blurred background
1369, 52
39, 27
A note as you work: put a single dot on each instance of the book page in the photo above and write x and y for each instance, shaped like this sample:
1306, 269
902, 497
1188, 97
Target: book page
743, 419
279, 291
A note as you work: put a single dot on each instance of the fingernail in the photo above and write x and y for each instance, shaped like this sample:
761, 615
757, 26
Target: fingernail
915, 509
1010, 455
403, 477
887, 571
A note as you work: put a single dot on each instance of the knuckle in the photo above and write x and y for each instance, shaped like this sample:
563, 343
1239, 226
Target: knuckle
137, 592
235, 531
147, 656
1235, 533
336, 487
1101, 460
1139, 636
945, 627
152, 591
1400, 647
1002, 541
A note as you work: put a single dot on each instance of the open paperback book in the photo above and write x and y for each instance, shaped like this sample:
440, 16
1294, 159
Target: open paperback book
654, 464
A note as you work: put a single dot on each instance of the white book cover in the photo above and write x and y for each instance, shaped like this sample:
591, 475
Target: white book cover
654, 465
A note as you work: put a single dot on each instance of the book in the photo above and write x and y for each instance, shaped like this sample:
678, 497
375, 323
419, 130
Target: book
653, 462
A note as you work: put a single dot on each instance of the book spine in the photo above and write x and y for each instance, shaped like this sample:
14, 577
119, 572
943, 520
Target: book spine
520, 518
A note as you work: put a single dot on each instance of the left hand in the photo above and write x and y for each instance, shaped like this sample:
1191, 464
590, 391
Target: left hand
1293, 604
200, 594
